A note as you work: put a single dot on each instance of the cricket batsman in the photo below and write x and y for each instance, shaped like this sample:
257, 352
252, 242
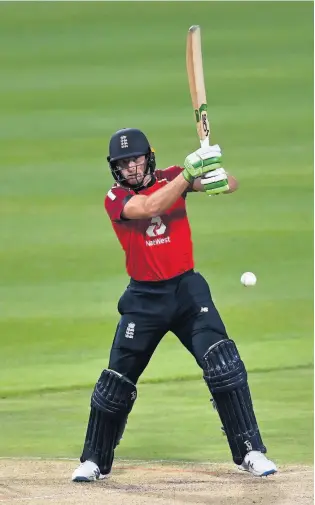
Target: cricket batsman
147, 209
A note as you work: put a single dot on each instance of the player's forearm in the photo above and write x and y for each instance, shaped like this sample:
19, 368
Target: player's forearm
165, 197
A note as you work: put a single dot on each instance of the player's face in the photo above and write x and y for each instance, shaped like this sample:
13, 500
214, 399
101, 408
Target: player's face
132, 169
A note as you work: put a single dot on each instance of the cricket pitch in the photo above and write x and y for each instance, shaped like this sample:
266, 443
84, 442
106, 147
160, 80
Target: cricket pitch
152, 483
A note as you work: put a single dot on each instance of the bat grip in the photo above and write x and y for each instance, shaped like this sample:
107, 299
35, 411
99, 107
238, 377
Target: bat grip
205, 142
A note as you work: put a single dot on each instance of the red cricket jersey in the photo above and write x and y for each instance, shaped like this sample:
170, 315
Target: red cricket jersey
156, 248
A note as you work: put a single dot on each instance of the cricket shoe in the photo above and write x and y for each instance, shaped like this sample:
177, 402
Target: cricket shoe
255, 462
87, 472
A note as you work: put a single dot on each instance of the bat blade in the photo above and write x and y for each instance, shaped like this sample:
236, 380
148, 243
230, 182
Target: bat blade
197, 83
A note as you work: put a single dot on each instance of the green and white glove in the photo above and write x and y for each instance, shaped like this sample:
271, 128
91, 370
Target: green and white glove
206, 164
215, 182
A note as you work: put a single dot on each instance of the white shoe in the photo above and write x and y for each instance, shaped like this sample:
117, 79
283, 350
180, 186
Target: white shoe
256, 463
87, 472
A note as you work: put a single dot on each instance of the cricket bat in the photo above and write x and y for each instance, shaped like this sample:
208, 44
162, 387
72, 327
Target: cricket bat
197, 84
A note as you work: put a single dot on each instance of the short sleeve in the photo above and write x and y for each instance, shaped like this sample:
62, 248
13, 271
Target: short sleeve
169, 173
115, 202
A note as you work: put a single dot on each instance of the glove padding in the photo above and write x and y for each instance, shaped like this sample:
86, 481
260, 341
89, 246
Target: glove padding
215, 182
200, 162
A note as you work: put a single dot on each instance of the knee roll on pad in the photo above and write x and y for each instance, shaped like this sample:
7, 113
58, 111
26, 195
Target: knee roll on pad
224, 367
113, 394
226, 377
111, 402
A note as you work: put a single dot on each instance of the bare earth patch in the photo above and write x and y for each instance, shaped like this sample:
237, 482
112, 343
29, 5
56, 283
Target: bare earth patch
150, 483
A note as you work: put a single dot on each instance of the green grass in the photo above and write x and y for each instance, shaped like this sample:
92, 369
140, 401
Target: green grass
71, 74
161, 428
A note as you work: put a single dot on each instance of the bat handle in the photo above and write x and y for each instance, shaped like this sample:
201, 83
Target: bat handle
205, 142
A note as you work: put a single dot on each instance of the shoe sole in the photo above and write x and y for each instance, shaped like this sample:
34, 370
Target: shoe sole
269, 472
80, 478
83, 479
265, 474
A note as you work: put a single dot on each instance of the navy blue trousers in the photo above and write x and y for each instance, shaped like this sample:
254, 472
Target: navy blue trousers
182, 305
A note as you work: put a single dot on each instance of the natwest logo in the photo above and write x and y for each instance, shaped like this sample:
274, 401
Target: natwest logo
158, 241
156, 228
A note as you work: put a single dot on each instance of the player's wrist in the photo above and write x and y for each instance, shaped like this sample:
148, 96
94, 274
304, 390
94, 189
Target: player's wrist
187, 176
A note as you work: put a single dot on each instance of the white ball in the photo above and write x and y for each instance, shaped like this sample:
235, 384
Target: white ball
248, 279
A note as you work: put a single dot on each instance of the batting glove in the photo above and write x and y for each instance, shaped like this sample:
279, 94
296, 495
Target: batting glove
215, 182
200, 162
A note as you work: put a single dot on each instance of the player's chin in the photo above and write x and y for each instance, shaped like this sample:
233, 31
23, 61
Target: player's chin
135, 181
